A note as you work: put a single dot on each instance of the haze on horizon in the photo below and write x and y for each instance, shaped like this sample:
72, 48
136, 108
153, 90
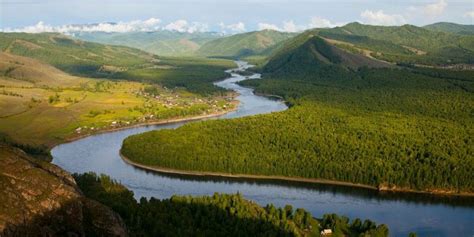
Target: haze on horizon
222, 16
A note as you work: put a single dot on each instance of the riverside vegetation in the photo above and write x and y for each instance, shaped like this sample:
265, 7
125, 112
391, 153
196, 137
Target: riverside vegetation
216, 215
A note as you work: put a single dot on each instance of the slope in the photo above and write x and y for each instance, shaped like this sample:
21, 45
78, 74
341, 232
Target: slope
449, 27
246, 44
95, 60
404, 44
310, 54
163, 43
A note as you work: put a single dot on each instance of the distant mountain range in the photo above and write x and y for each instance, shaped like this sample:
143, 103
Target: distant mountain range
451, 28
163, 42
440, 43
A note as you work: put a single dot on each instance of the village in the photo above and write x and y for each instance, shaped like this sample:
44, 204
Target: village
164, 104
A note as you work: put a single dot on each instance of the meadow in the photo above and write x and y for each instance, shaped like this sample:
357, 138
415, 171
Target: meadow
42, 106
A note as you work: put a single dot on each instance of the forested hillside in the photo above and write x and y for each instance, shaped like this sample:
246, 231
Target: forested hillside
162, 43
451, 28
403, 44
217, 215
390, 128
246, 44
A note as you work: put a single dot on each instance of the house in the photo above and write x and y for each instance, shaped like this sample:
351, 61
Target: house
326, 232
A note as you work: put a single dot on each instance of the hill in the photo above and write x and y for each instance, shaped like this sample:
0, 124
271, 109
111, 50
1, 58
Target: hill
163, 43
403, 44
245, 44
449, 27
308, 54
96, 60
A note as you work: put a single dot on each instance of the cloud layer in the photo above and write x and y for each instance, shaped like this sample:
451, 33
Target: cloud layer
381, 18
290, 26
138, 25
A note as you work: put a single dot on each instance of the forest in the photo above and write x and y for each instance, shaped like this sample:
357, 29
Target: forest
390, 128
216, 215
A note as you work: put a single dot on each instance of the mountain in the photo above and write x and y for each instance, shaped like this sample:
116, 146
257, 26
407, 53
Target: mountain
449, 27
308, 52
74, 56
88, 59
245, 44
403, 44
163, 42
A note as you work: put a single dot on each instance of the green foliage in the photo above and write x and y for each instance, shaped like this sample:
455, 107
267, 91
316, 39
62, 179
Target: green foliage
163, 43
37, 151
407, 43
382, 127
217, 215
451, 28
117, 62
246, 44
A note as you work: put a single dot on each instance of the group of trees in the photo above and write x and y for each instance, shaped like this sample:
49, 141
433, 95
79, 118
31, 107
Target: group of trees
406, 128
217, 215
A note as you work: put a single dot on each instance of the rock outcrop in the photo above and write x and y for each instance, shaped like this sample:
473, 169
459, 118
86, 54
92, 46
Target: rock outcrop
40, 199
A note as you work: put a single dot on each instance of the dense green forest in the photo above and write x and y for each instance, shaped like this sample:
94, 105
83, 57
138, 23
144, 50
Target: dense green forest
217, 215
95, 60
409, 128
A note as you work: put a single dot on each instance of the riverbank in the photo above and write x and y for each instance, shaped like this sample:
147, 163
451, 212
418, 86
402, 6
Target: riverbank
148, 123
285, 178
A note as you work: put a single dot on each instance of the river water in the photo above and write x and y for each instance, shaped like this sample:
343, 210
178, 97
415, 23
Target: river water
403, 213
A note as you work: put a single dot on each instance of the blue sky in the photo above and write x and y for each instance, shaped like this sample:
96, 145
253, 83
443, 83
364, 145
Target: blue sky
230, 16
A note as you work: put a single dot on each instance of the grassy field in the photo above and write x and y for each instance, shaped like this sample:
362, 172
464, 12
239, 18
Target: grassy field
42, 105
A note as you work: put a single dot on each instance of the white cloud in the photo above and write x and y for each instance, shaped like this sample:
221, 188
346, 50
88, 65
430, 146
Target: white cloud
290, 26
138, 25
430, 10
234, 28
469, 14
179, 25
151, 24
380, 18
268, 26
435, 9
184, 26
318, 22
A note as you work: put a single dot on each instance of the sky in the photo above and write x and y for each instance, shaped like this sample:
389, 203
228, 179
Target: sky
227, 16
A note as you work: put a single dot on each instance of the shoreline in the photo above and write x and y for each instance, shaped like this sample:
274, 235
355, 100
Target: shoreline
380, 188
285, 178
151, 123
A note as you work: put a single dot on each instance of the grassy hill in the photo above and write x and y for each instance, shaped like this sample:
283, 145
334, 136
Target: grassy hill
403, 44
449, 27
163, 43
88, 59
43, 105
245, 44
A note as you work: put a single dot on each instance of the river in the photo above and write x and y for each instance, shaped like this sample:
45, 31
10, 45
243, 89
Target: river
424, 214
